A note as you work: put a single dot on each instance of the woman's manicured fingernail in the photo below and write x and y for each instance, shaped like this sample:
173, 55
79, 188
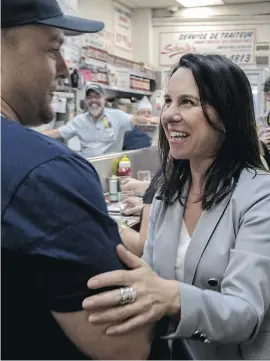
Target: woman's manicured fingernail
110, 331
88, 303
92, 283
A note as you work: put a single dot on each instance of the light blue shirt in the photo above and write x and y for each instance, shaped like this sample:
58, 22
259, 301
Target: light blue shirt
106, 135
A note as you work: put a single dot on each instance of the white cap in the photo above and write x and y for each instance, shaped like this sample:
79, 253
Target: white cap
144, 104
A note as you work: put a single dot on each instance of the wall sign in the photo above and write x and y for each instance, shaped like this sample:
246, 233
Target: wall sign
236, 45
69, 7
102, 40
71, 50
72, 46
122, 27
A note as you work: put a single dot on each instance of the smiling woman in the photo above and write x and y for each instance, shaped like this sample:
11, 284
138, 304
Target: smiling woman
184, 122
208, 242
219, 123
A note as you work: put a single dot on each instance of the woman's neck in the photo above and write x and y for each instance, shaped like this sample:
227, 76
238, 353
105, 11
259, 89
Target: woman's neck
198, 169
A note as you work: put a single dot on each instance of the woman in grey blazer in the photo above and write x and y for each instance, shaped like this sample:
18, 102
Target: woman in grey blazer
209, 233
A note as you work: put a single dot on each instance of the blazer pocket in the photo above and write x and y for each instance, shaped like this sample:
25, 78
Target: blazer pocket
257, 349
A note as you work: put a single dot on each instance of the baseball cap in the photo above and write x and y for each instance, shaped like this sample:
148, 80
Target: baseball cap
96, 88
44, 12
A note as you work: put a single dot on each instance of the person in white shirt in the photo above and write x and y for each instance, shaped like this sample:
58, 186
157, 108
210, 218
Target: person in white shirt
100, 130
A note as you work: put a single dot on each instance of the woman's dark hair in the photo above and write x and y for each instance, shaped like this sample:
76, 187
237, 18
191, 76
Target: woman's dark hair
225, 87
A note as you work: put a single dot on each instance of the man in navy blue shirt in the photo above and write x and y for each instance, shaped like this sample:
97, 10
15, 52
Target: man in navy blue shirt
56, 232
135, 138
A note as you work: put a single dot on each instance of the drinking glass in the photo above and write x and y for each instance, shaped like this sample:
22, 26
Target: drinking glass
121, 197
144, 175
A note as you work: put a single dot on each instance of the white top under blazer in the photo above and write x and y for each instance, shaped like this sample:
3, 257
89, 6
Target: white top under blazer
181, 252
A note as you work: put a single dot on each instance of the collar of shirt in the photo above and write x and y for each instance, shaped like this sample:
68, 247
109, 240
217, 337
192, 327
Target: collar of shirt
102, 122
98, 120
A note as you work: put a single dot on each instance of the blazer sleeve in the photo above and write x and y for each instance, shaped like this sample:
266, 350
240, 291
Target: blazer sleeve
235, 314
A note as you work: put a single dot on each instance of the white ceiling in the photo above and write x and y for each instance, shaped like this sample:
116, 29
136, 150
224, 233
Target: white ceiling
154, 4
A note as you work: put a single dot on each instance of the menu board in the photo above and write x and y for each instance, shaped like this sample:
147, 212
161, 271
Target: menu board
237, 45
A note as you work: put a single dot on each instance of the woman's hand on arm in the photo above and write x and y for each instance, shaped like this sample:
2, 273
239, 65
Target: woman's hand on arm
155, 296
135, 241
134, 185
132, 205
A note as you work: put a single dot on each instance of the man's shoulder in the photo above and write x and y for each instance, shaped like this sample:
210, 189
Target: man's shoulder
114, 112
77, 122
255, 178
24, 150
118, 116
80, 118
27, 147
15, 137
56, 203
254, 181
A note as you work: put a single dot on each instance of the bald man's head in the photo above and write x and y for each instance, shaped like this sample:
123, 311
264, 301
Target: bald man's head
31, 63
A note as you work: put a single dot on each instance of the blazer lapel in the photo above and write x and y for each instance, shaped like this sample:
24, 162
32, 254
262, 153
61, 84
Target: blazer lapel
167, 239
169, 252
201, 236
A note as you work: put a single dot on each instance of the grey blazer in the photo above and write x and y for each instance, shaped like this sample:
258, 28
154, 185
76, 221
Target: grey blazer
225, 296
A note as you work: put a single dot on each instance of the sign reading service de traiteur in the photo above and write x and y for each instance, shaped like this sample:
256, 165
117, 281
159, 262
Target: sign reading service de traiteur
235, 45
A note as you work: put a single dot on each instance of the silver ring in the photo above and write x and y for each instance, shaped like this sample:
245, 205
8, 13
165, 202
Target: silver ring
128, 295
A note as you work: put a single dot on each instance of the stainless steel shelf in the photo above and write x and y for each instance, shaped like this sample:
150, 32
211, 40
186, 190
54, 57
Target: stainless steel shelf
64, 95
124, 90
140, 74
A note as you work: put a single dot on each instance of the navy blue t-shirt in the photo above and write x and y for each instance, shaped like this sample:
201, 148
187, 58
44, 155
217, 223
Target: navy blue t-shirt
136, 139
56, 234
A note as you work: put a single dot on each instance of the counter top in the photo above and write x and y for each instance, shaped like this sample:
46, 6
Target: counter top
129, 221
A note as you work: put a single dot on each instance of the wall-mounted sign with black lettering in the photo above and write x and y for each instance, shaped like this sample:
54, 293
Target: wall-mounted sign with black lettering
236, 45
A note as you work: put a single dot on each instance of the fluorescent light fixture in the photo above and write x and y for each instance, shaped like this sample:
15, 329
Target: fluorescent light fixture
198, 3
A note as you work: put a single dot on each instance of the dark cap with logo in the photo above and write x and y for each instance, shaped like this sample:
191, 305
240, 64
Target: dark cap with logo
95, 88
44, 12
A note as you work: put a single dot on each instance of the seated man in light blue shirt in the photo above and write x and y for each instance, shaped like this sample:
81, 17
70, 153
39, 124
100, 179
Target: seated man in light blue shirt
100, 130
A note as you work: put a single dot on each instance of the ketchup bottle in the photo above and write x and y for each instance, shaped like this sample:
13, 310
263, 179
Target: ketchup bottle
124, 168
